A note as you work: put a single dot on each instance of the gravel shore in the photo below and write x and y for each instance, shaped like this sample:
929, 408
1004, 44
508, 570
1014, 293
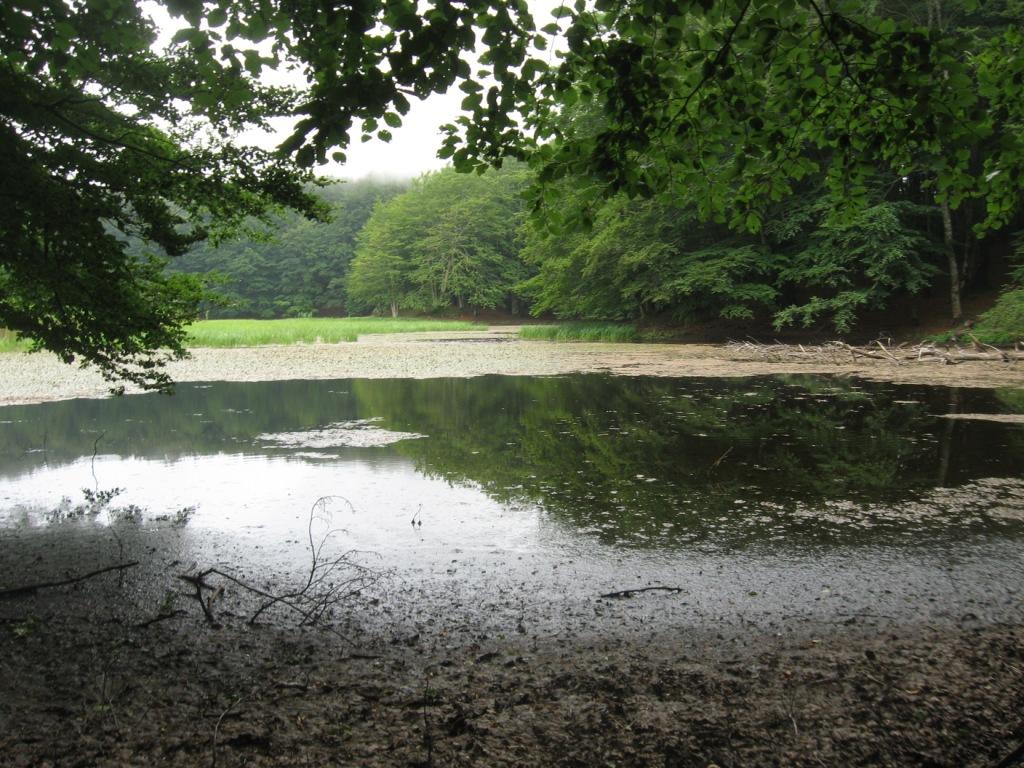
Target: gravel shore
29, 378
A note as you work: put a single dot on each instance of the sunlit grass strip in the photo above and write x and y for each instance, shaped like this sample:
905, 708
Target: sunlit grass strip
310, 330
607, 332
9, 342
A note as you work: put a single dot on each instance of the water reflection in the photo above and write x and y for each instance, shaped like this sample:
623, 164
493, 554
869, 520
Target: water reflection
637, 462
655, 461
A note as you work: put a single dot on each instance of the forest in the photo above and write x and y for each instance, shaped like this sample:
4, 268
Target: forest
450, 242
551, 237
291, 267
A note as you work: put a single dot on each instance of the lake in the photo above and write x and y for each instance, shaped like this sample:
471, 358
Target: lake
514, 502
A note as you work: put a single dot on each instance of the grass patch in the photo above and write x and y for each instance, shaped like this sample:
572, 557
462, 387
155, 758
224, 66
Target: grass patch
309, 330
300, 330
9, 342
613, 332
1003, 324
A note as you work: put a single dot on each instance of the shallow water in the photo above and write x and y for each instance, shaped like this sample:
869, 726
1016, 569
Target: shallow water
808, 495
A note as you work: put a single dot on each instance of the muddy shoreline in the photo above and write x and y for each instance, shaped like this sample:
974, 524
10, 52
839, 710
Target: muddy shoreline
33, 378
92, 691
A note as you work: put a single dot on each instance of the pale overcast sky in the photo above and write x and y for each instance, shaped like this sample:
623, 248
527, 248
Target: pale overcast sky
413, 147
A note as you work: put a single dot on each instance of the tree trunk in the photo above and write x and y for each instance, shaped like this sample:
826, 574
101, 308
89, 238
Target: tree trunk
954, 267
955, 282
394, 309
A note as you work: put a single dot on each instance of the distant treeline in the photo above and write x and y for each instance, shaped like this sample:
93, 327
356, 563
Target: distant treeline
468, 242
293, 267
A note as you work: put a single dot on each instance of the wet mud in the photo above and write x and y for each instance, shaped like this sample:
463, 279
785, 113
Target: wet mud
91, 685
434, 668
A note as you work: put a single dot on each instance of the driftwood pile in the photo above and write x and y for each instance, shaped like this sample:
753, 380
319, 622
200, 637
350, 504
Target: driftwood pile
839, 352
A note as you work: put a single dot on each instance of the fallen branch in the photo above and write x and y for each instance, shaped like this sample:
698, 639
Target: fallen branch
841, 353
199, 584
29, 589
864, 353
329, 582
887, 353
158, 618
630, 592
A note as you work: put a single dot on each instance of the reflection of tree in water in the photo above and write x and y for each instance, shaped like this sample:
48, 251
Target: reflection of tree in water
651, 460
1012, 400
197, 419
640, 460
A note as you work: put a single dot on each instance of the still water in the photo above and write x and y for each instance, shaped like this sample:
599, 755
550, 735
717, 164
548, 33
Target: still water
757, 493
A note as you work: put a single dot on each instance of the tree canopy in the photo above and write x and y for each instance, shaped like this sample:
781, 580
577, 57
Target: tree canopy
732, 105
450, 240
106, 138
291, 267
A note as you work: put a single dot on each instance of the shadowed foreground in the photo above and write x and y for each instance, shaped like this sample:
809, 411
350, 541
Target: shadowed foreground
84, 692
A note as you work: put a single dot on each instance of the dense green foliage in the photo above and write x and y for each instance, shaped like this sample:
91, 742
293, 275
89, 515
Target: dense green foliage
741, 101
101, 138
292, 267
725, 112
658, 257
793, 161
450, 240
308, 330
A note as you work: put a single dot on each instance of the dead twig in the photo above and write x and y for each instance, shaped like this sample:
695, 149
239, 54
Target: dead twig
330, 581
216, 730
630, 592
92, 464
29, 589
158, 618
198, 583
